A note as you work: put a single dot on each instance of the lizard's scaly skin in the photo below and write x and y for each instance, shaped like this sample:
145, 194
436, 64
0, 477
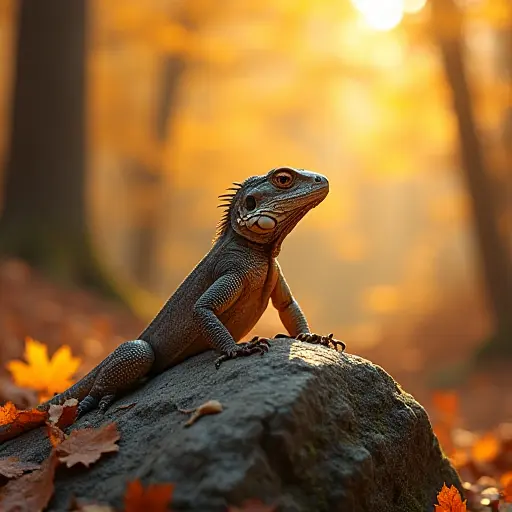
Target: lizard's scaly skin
224, 296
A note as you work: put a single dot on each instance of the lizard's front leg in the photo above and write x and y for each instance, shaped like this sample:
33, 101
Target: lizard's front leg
294, 319
221, 295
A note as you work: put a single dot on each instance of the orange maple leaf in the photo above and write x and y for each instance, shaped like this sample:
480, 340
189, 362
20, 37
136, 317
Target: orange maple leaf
450, 500
154, 497
14, 421
506, 481
47, 376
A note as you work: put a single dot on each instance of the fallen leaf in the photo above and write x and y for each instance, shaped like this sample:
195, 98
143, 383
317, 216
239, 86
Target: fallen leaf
12, 467
486, 448
47, 376
253, 506
13, 421
154, 498
63, 415
210, 407
8, 413
30, 492
86, 445
506, 482
92, 507
126, 406
449, 500
55, 434
82, 506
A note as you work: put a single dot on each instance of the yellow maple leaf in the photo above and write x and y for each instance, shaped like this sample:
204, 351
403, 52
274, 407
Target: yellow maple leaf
449, 500
47, 376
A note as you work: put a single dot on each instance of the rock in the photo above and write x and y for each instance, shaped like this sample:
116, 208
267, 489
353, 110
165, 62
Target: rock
303, 426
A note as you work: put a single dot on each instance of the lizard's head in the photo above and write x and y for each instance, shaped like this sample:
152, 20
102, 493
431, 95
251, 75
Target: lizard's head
264, 209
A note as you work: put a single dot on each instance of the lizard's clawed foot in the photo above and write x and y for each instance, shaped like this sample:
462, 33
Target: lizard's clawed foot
256, 346
257, 340
317, 339
88, 404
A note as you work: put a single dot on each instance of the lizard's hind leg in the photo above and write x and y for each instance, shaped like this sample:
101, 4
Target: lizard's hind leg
127, 364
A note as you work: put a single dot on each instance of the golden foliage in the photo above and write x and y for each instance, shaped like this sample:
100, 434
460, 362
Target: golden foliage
45, 375
486, 448
381, 299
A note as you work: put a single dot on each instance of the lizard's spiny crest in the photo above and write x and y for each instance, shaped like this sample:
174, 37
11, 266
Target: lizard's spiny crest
226, 203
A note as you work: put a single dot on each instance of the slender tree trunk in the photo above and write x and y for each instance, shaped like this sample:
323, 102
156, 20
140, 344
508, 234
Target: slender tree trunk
146, 235
496, 263
44, 216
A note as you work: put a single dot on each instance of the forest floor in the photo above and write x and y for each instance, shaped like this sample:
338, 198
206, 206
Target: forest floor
472, 420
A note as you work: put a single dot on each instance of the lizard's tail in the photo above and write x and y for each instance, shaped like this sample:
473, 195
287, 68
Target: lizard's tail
79, 390
120, 370
125, 366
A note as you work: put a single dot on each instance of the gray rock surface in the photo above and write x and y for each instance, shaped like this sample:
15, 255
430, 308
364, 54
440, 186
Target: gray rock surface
304, 427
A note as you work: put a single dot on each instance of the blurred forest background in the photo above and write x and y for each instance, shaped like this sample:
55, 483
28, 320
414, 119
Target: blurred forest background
121, 122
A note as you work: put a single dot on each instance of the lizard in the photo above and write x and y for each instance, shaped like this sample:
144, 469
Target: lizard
224, 296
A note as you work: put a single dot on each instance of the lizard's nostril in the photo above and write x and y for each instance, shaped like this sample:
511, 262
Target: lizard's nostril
318, 179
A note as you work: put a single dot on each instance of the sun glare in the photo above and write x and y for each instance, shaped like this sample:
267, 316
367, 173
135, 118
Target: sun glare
386, 14
414, 6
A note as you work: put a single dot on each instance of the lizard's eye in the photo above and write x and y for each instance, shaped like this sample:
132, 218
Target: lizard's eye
250, 203
283, 178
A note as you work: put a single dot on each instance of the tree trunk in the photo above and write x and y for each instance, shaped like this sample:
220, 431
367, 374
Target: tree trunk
496, 264
44, 217
144, 256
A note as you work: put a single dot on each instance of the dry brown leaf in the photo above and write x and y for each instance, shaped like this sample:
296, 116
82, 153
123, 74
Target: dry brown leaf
86, 445
45, 375
125, 407
55, 434
13, 421
30, 492
63, 415
154, 498
485, 449
92, 507
253, 506
449, 500
210, 407
12, 467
